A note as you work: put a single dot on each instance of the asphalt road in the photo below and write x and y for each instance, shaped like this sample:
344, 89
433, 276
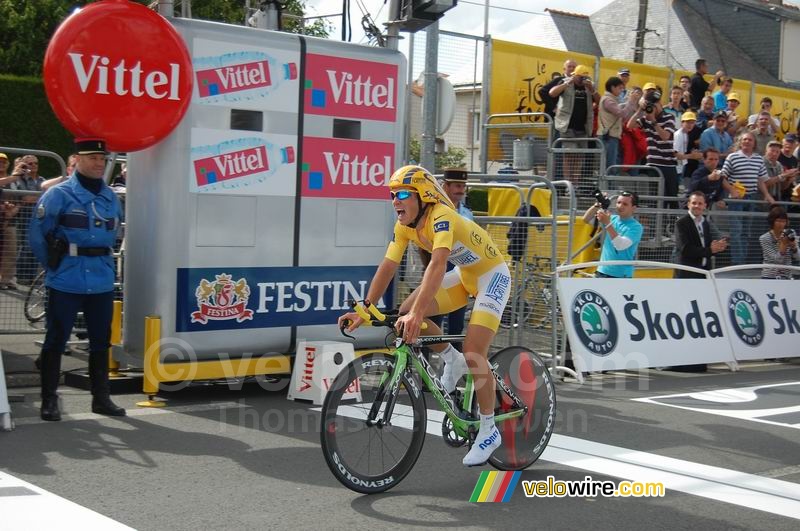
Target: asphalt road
250, 459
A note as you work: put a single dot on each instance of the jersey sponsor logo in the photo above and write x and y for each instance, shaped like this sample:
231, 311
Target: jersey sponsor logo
489, 306
498, 288
339, 86
491, 252
476, 239
222, 299
595, 323
462, 256
442, 226
439, 217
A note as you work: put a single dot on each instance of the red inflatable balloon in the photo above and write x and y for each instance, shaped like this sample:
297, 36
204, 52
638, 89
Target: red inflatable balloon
119, 71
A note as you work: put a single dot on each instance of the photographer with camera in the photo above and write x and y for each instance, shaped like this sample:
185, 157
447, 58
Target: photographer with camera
659, 128
778, 245
575, 115
623, 232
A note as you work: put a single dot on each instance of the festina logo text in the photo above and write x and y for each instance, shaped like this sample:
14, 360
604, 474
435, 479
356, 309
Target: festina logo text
359, 91
95, 73
344, 169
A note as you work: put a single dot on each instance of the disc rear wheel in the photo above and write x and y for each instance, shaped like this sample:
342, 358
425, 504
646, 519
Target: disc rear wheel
525, 437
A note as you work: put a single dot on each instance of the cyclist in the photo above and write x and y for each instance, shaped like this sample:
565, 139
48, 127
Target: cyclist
427, 217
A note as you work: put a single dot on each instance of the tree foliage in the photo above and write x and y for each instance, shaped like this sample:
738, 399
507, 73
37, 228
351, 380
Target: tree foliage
26, 26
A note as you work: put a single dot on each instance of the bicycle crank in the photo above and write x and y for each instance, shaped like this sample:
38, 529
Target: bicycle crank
451, 438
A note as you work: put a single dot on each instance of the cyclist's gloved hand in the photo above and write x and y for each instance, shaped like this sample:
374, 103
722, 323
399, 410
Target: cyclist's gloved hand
408, 326
350, 321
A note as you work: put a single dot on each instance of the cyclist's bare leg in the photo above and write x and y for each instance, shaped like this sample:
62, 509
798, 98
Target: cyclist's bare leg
433, 329
476, 350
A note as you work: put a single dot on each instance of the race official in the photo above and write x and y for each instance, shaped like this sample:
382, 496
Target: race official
72, 232
623, 233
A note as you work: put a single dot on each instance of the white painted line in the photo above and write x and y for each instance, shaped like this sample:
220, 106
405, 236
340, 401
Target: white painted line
741, 395
720, 484
45, 510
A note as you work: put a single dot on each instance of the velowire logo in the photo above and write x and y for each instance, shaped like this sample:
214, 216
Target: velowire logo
746, 318
594, 322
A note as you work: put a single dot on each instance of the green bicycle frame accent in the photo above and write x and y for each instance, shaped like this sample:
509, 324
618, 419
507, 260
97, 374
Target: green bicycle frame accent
429, 379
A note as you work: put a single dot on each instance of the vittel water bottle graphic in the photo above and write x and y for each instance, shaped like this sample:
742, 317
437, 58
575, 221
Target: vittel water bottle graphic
240, 76
238, 163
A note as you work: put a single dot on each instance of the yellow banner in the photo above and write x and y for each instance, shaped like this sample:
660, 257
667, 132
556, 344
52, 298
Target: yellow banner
785, 107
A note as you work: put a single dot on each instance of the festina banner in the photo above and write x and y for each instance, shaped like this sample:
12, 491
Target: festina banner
235, 298
761, 316
640, 323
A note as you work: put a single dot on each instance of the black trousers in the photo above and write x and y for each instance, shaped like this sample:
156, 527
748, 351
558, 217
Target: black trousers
62, 309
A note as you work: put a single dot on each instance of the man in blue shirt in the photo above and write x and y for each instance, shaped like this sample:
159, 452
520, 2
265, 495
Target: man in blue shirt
72, 233
717, 136
623, 234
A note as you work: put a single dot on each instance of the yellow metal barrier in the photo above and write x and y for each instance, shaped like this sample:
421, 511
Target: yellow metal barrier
116, 339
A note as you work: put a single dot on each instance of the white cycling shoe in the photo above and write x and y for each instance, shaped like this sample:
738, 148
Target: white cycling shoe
486, 442
453, 372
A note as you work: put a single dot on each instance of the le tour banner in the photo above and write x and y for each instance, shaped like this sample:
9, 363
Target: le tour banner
640, 323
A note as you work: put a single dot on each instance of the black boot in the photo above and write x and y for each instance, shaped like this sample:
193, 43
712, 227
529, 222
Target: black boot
102, 405
50, 409
50, 370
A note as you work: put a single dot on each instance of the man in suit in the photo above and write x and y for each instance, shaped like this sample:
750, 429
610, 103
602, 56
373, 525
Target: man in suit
696, 240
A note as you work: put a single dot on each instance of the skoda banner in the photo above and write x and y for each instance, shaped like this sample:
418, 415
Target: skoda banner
762, 317
640, 323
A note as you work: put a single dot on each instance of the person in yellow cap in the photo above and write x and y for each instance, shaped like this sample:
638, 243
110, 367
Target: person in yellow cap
574, 114
687, 147
734, 123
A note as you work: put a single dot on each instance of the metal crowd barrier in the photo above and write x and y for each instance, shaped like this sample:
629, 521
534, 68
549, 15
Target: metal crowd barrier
517, 143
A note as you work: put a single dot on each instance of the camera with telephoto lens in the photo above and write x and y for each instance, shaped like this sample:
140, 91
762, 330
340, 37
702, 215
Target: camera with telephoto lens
651, 100
604, 202
789, 234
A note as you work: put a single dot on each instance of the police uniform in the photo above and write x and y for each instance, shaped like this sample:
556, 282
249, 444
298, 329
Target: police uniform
80, 227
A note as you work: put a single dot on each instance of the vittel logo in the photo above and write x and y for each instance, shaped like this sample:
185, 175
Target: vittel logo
346, 168
354, 89
233, 78
337, 86
231, 165
95, 74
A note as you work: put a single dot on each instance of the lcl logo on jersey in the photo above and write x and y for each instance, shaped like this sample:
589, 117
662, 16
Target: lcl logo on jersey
337, 86
346, 168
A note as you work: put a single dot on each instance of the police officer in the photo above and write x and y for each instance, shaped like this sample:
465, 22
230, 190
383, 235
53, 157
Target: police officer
72, 233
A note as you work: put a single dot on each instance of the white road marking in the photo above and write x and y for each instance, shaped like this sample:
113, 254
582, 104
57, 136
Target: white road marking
36, 508
715, 483
742, 395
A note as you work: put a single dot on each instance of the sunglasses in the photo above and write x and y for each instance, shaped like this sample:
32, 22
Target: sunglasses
402, 195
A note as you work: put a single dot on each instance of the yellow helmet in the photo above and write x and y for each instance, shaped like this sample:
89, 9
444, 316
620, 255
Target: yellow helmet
426, 185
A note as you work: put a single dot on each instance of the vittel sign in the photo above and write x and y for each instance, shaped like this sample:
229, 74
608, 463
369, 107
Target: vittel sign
353, 169
118, 71
351, 88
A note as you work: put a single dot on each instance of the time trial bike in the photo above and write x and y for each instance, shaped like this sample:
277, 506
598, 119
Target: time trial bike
374, 417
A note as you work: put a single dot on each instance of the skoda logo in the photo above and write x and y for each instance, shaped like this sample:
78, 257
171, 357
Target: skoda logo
594, 322
745, 315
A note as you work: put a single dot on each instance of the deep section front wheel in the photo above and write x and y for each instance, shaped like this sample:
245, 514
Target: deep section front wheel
371, 457
525, 437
